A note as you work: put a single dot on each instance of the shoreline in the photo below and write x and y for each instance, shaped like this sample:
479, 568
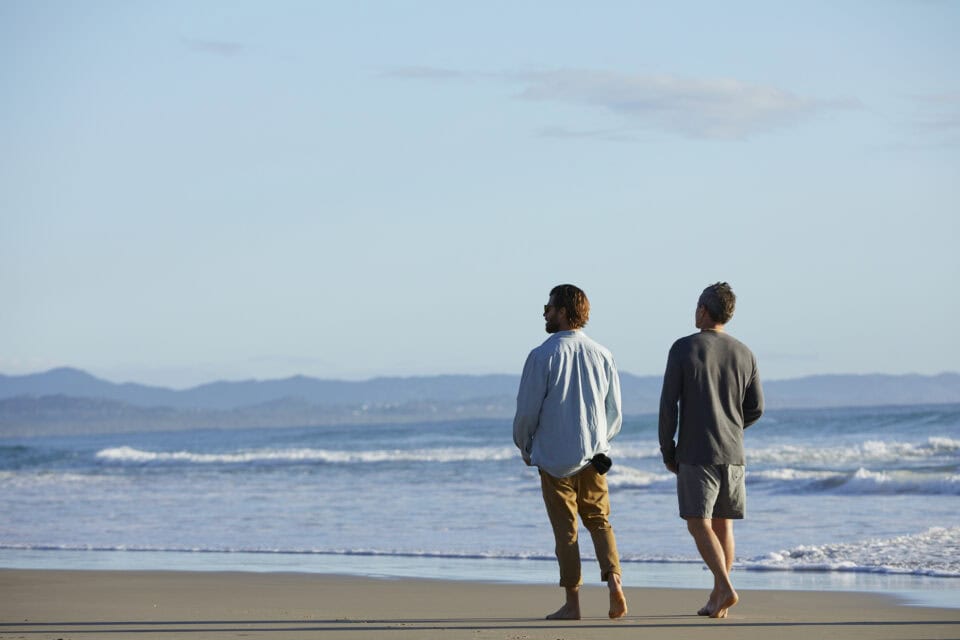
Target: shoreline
915, 590
213, 605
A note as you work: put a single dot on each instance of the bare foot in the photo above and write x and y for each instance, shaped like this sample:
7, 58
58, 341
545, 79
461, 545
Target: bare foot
707, 608
724, 602
566, 612
618, 604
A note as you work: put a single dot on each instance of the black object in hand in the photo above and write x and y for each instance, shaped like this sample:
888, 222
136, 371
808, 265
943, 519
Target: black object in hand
601, 463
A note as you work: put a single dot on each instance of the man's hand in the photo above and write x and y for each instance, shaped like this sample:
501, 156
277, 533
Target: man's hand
672, 467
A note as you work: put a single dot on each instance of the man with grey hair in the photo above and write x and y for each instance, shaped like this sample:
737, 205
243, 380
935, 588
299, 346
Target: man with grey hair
711, 393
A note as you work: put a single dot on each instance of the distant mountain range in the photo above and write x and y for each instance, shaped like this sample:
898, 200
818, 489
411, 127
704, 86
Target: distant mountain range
69, 400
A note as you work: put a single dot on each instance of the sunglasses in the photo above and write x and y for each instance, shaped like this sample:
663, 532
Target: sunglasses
547, 307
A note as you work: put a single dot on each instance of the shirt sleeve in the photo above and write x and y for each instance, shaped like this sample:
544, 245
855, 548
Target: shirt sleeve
612, 403
669, 398
533, 389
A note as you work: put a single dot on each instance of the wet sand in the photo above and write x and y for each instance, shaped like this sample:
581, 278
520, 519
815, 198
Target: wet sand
144, 605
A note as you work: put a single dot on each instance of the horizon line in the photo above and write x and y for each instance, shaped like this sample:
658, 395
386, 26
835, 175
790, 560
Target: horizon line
433, 375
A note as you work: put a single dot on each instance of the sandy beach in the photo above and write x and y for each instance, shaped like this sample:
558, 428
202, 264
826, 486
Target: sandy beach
285, 606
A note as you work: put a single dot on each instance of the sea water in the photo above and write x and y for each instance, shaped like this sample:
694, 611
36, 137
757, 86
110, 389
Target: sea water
864, 498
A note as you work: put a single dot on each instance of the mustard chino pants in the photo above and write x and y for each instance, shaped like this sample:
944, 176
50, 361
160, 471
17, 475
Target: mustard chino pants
584, 493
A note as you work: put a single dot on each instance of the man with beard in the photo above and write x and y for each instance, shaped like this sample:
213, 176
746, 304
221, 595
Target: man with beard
568, 409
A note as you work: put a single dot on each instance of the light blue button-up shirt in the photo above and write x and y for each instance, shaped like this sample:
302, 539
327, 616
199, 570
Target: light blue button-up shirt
568, 406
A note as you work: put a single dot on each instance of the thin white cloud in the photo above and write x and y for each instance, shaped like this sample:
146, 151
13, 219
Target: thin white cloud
220, 48
690, 107
718, 109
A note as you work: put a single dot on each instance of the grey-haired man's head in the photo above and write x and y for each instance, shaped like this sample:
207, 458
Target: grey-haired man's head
719, 301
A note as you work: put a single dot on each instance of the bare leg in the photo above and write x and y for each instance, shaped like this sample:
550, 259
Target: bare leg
571, 608
618, 601
712, 551
723, 528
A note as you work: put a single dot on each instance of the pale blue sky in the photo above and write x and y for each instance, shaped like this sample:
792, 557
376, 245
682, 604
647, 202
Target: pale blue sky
201, 190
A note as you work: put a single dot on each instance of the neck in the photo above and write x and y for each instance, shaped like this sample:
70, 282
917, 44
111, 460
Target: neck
713, 327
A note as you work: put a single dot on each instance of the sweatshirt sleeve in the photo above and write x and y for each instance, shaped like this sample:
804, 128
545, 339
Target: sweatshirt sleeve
533, 389
753, 400
669, 413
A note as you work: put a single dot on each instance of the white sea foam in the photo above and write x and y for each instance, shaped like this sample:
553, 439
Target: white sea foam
621, 450
306, 455
862, 481
347, 551
359, 551
15, 480
793, 475
933, 553
630, 478
885, 482
869, 453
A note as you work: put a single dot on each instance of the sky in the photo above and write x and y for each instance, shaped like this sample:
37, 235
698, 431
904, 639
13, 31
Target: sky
193, 191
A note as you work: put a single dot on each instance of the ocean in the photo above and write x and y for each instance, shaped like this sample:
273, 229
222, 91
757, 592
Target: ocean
861, 498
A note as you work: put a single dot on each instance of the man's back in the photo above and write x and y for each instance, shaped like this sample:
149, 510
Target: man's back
568, 406
714, 378
712, 384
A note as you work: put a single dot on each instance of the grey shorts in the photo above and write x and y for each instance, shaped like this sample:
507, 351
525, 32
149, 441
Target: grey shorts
712, 491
